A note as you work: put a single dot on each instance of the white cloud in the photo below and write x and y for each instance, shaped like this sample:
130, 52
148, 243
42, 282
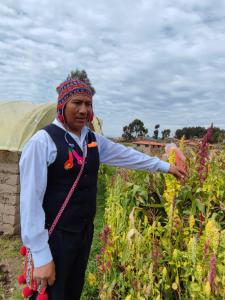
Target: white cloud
160, 61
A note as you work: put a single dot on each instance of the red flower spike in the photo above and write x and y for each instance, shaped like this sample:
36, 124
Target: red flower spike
27, 292
203, 155
23, 250
21, 279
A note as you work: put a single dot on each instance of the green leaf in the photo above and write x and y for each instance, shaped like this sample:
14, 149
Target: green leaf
200, 205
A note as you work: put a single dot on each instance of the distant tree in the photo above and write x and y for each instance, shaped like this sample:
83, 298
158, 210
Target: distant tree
165, 133
134, 130
221, 136
178, 134
127, 135
218, 135
192, 132
156, 132
81, 75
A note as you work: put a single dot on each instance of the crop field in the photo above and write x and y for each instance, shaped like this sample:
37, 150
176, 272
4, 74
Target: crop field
165, 239
156, 238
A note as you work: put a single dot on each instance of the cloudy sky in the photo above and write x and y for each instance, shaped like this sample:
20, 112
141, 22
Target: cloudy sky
162, 61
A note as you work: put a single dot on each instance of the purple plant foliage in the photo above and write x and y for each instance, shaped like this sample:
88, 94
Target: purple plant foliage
108, 264
103, 267
203, 154
104, 234
104, 237
212, 272
201, 220
206, 248
102, 250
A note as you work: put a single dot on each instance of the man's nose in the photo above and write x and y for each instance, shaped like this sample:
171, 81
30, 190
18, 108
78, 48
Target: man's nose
83, 109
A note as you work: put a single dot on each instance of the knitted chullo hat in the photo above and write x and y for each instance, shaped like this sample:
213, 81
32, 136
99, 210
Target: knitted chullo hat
66, 90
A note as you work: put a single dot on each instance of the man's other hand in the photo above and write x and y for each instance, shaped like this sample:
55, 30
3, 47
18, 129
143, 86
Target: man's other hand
45, 275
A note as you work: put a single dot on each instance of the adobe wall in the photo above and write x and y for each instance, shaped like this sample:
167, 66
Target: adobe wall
9, 192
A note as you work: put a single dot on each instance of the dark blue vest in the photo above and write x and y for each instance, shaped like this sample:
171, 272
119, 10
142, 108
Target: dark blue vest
81, 208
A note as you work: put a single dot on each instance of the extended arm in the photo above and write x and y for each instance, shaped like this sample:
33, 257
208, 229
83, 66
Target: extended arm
118, 155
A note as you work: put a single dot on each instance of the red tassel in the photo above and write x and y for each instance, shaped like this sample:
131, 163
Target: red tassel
27, 292
42, 297
23, 250
69, 163
61, 118
21, 279
34, 285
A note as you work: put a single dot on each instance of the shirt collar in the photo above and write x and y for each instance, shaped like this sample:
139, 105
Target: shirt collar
84, 130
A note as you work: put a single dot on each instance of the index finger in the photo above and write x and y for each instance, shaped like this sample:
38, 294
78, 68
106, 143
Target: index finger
43, 282
182, 171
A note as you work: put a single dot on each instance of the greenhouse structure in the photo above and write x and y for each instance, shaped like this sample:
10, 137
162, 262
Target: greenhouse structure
19, 121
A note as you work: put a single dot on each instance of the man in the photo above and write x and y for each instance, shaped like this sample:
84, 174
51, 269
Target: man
49, 165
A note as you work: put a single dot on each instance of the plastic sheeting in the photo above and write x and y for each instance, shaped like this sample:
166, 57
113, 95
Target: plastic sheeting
20, 120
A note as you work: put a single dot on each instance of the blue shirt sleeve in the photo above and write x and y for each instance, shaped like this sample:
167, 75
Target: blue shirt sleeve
118, 155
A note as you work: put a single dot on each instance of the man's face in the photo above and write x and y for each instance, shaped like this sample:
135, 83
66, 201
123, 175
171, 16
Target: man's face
77, 112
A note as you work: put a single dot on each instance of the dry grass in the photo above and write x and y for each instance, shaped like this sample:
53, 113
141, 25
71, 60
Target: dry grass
10, 267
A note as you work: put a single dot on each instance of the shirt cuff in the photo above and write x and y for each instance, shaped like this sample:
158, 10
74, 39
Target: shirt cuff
42, 257
163, 166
